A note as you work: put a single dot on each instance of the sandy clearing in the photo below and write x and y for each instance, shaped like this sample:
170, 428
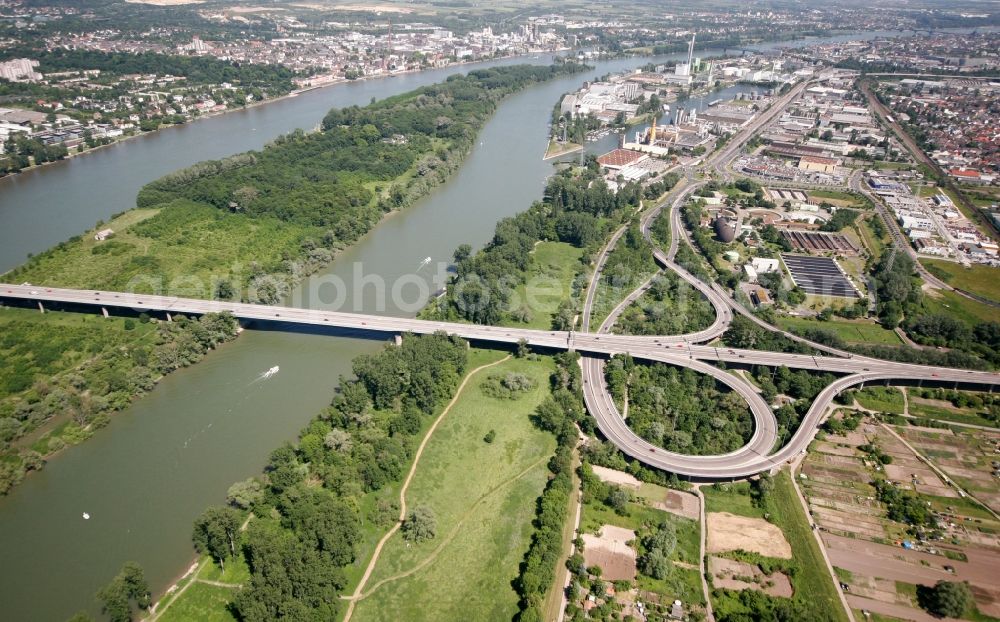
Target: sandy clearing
612, 476
683, 504
729, 532
610, 552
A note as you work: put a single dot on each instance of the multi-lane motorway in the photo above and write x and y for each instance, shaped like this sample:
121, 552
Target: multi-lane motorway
759, 454
756, 455
679, 350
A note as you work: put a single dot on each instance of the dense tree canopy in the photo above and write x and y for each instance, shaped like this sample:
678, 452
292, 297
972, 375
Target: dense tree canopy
679, 409
307, 510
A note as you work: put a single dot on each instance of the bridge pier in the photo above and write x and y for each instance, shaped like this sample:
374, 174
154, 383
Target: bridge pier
40, 307
169, 319
104, 311
398, 339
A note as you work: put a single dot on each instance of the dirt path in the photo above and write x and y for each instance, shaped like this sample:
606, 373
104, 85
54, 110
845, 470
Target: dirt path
406, 484
451, 534
155, 614
819, 540
219, 583
703, 529
564, 576
941, 474
893, 610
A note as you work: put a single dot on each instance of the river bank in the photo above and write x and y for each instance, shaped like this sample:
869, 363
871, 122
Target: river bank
89, 262
213, 427
177, 450
271, 100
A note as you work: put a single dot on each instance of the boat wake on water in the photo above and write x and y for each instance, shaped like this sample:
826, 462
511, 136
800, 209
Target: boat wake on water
270, 373
265, 375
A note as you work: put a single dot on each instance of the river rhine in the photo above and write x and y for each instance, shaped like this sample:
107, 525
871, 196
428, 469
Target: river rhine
146, 476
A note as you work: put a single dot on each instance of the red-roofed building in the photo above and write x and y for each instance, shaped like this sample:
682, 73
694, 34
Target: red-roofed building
620, 158
967, 175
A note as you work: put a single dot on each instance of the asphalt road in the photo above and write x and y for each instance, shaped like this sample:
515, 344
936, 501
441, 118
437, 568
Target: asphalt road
759, 454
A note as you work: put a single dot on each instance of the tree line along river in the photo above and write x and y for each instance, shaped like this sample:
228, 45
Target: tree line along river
145, 477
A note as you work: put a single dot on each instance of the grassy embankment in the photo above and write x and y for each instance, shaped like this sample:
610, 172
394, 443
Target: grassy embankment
467, 569
943, 411
813, 587
206, 593
556, 149
880, 399
958, 306
977, 279
875, 244
838, 198
634, 265
851, 331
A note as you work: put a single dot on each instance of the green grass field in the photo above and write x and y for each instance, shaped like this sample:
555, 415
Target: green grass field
851, 331
883, 399
896, 166
371, 533
556, 149
813, 583
179, 249
548, 282
949, 413
836, 197
960, 307
465, 572
733, 498
978, 279
202, 602
873, 243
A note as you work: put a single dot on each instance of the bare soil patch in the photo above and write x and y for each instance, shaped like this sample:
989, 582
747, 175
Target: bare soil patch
610, 552
612, 476
728, 532
835, 450
683, 504
735, 575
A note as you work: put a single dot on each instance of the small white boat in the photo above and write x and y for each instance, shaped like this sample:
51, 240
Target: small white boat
271, 372
86, 516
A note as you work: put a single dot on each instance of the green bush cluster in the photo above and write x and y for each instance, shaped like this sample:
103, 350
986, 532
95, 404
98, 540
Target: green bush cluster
307, 521
679, 409
71, 371
556, 414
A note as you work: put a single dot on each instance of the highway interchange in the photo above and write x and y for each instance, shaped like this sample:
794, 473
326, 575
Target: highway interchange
759, 454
